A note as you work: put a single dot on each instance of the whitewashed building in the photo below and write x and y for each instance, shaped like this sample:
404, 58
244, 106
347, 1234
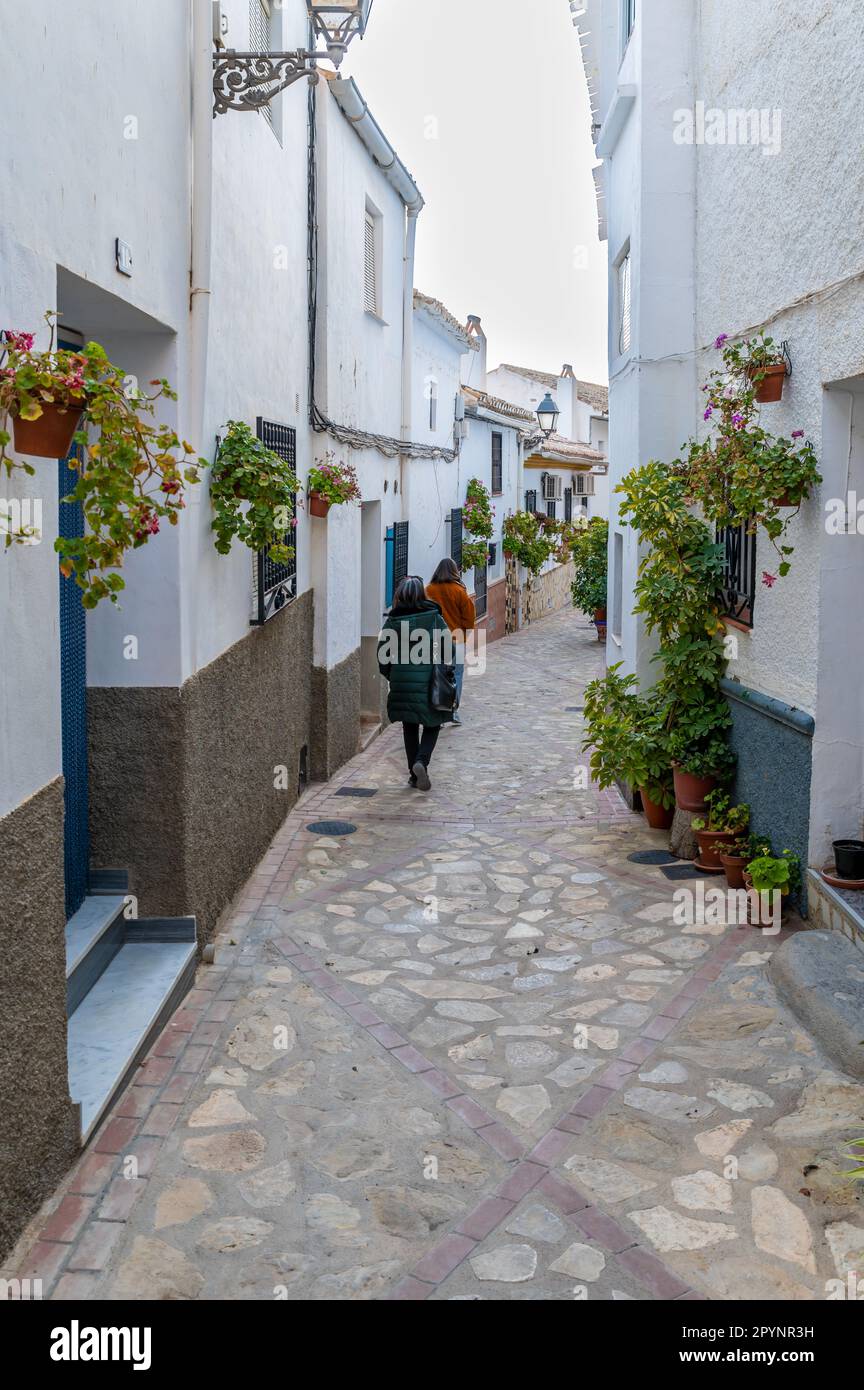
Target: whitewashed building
261, 261
730, 207
565, 476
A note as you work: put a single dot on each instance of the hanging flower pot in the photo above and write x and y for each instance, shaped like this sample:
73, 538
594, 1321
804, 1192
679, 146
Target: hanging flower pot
318, 505
657, 817
770, 388
787, 500
49, 436
691, 791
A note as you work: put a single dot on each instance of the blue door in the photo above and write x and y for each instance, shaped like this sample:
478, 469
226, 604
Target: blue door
73, 705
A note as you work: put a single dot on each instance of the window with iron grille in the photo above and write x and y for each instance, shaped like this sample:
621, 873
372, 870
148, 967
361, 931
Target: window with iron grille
456, 536
568, 504
276, 583
480, 590
739, 573
531, 500
493, 554
551, 509
261, 36
624, 300
497, 464
371, 269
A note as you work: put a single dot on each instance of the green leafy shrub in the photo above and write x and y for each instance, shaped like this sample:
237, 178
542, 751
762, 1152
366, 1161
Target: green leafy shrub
130, 472
527, 540
769, 873
252, 494
626, 735
589, 549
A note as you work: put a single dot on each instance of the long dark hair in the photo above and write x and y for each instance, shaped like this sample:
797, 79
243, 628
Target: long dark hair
410, 594
448, 573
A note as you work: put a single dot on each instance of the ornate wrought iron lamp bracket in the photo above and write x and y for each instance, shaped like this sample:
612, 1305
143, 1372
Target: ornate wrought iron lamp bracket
248, 81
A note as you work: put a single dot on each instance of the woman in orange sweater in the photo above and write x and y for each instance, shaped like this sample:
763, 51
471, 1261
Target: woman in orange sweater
457, 607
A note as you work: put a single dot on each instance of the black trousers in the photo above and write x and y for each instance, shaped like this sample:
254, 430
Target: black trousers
417, 747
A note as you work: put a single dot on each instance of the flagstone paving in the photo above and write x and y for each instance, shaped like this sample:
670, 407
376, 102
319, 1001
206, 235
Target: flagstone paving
466, 1053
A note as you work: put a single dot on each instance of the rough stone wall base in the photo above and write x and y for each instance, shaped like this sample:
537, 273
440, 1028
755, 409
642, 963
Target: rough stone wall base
336, 701
548, 593
38, 1122
189, 786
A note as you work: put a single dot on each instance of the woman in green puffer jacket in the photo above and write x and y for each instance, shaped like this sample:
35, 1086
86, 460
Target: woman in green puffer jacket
408, 702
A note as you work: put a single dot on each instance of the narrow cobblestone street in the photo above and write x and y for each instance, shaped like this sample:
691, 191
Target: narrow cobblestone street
464, 1053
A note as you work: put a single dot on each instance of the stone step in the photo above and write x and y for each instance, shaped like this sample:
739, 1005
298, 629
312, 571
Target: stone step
94, 935
116, 1021
820, 975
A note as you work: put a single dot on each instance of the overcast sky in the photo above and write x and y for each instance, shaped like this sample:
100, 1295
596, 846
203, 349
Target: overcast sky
485, 103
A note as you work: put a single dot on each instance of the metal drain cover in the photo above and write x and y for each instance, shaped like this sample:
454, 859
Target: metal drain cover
331, 827
357, 791
653, 856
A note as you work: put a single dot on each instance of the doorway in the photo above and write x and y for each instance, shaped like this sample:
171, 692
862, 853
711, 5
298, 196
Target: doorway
73, 696
371, 608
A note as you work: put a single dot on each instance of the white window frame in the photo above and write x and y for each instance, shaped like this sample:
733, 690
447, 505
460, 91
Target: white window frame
624, 303
372, 258
629, 15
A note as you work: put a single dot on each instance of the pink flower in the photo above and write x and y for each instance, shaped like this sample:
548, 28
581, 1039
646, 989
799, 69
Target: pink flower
797, 434
718, 342
21, 342
708, 413
738, 419
769, 580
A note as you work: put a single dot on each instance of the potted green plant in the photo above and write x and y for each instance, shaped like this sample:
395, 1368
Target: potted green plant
331, 484
589, 549
721, 827
628, 743
130, 472
252, 493
478, 519
697, 768
736, 856
766, 876
42, 393
741, 474
525, 540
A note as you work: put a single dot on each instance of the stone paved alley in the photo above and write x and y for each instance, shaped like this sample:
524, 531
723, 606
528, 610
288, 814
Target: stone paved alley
374, 1093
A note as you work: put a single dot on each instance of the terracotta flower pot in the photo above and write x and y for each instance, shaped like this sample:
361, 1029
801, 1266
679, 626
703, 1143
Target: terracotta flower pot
709, 855
49, 437
757, 913
734, 866
770, 388
600, 614
318, 505
691, 791
787, 501
601, 631
656, 816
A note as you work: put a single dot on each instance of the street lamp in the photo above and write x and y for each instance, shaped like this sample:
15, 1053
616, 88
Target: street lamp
249, 81
338, 24
548, 415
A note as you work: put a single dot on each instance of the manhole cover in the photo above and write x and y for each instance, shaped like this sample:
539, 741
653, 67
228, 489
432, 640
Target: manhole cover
682, 871
357, 791
653, 856
331, 827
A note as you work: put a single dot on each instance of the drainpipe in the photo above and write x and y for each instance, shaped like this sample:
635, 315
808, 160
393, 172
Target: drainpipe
200, 267
407, 348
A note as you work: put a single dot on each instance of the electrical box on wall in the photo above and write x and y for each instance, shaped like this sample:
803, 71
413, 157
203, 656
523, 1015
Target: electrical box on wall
123, 256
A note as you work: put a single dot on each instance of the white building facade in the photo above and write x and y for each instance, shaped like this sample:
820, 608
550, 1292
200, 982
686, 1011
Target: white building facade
725, 215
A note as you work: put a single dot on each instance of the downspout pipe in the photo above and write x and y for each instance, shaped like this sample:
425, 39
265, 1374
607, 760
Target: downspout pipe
412, 214
200, 273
